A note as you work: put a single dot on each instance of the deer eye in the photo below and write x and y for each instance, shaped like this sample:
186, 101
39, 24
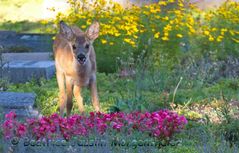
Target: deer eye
87, 46
74, 47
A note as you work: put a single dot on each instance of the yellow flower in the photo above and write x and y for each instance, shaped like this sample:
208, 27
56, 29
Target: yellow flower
129, 41
190, 20
156, 35
129, 33
135, 29
177, 12
214, 29
179, 35
162, 3
135, 36
83, 26
83, 17
224, 29
141, 31
88, 22
211, 38
180, 4
232, 32
158, 10
219, 38
145, 12
235, 40
168, 27
103, 41
117, 34
154, 10
157, 16
191, 30
165, 38
206, 33
166, 18
132, 43
166, 34
111, 43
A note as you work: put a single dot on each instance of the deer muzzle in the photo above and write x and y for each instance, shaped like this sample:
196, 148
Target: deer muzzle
81, 58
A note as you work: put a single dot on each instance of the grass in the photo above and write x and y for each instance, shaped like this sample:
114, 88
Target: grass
146, 96
23, 26
47, 94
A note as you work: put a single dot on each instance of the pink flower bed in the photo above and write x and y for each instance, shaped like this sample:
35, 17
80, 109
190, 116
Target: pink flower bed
161, 124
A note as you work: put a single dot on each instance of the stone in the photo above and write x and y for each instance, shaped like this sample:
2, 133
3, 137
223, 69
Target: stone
23, 71
23, 113
25, 37
20, 103
40, 56
14, 100
7, 34
22, 42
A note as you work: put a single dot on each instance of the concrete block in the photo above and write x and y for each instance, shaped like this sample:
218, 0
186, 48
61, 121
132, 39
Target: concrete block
23, 71
15, 100
40, 56
20, 103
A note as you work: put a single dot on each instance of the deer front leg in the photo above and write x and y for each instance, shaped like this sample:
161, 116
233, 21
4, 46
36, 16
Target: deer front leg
62, 96
77, 94
94, 95
69, 103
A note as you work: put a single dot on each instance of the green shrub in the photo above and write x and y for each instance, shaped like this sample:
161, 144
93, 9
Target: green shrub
230, 131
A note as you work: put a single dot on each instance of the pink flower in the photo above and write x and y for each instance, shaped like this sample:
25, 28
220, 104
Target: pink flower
8, 124
30, 121
160, 124
117, 125
11, 115
21, 130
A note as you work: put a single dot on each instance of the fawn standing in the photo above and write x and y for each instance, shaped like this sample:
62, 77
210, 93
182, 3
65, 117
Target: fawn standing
75, 65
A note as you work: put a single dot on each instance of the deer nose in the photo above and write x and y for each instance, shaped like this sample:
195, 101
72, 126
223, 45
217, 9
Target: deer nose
81, 58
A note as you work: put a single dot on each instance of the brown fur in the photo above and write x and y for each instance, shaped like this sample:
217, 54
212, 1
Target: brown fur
71, 75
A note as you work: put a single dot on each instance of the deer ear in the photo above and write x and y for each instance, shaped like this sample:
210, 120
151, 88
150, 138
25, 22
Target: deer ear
66, 31
93, 31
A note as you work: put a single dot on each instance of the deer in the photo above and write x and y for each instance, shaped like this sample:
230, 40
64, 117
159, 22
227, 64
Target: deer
75, 63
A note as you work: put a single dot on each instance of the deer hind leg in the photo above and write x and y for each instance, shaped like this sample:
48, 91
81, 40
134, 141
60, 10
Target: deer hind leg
94, 96
62, 97
69, 103
79, 99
